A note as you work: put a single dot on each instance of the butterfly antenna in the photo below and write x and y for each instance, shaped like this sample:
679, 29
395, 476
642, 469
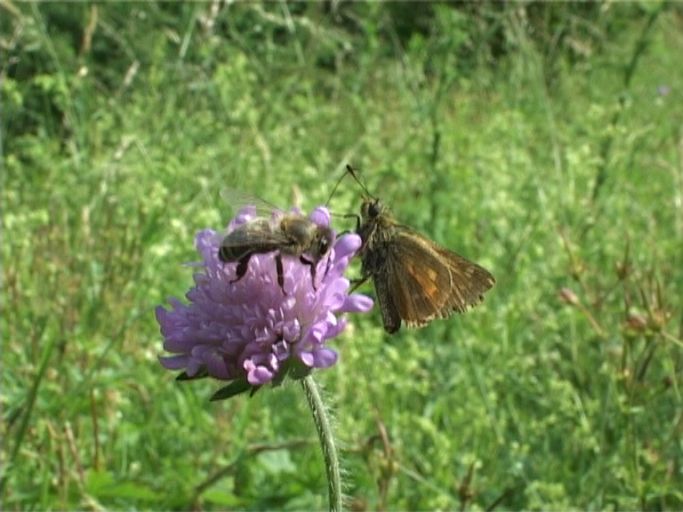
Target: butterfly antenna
350, 170
327, 203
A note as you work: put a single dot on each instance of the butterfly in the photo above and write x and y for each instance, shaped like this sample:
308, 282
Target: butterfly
416, 279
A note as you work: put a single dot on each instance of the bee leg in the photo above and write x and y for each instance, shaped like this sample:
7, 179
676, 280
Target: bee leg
312, 265
280, 272
327, 267
242, 266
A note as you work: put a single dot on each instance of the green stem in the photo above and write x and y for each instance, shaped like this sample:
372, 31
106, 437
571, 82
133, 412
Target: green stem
327, 444
629, 71
30, 401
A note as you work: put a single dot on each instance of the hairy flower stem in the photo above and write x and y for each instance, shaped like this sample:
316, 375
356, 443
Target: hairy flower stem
327, 443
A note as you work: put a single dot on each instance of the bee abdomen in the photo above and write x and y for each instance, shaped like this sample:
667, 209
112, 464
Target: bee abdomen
227, 254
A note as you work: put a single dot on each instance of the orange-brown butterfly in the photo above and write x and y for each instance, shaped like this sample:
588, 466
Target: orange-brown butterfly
416, 280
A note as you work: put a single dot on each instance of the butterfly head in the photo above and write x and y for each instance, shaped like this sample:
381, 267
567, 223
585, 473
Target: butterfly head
371, 209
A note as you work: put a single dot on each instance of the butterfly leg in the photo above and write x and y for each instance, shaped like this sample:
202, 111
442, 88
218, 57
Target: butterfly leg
355, 283
355, 216
242, 266
311, 264
365, 238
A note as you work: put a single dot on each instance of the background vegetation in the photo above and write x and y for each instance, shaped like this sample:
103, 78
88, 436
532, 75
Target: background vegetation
542, 140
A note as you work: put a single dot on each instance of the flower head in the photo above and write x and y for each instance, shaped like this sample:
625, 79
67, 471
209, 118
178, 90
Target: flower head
251, 329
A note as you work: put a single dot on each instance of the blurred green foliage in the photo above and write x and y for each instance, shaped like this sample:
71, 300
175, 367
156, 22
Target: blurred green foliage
541, 140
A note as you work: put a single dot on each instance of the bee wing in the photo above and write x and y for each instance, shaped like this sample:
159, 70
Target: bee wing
425, 281
239, 200
257, 226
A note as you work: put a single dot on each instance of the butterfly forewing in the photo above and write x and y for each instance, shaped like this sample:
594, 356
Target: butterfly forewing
418, 278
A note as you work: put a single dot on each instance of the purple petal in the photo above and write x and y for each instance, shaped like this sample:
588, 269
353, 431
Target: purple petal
173, 362
335, 330
325, 357
357, 303
334, 301
243, 216
321, 358
216, 366
346, 245
321, 216
307, 358
316, 333
259, 375
291, 330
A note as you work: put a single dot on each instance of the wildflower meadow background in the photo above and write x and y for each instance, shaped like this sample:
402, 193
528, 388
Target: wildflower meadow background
542, 140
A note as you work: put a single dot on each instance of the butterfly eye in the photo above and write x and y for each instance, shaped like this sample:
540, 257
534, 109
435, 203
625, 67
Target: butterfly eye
374, 209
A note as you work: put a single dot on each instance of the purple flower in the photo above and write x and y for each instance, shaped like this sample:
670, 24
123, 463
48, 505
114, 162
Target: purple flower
252, 330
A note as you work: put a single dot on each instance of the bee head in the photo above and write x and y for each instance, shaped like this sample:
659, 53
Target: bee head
324, 242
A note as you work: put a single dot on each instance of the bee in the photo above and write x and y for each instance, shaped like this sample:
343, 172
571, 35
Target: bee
416, 280
291, 234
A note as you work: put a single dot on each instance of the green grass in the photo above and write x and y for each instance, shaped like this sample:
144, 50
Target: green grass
486, 127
